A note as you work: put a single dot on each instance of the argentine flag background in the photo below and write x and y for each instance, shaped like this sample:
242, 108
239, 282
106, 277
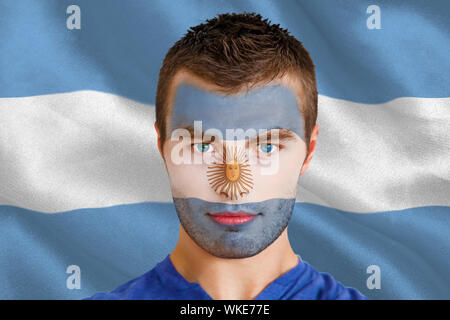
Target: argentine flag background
82, 183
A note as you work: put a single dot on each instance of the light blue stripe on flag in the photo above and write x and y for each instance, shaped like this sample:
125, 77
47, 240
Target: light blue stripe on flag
115, 244
120, 48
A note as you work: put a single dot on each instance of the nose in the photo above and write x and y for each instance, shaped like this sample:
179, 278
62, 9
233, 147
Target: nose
231, 179
237, 196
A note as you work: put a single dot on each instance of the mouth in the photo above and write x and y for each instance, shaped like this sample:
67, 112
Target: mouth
232, 217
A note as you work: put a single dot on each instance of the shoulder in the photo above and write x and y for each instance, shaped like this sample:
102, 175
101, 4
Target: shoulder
322, 286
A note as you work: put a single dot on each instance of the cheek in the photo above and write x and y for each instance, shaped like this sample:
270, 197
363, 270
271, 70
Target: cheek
183, 178
284, 180
292, 161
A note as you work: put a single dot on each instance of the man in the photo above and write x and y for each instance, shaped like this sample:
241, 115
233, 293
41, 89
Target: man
236, 111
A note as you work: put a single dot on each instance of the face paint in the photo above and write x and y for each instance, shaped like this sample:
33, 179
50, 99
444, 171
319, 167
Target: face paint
244, 229
269, 219
266, 108
231, 176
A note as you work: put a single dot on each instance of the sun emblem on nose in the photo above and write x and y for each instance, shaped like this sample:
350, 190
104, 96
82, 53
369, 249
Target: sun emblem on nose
232, 175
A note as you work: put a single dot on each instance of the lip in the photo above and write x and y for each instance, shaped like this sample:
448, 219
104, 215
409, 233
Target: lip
232, 217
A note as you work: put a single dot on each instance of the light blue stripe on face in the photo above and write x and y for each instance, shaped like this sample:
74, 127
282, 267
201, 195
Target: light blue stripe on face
266, 108
234, 241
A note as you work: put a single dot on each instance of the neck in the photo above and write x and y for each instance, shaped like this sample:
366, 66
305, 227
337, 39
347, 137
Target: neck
232, 279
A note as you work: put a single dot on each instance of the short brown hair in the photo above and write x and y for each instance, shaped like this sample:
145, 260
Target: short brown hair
234, 51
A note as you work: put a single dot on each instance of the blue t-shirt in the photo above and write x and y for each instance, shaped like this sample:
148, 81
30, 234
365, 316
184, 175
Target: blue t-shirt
164, 282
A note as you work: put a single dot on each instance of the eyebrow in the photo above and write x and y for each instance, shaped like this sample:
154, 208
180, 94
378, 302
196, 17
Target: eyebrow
284, 135
191, 131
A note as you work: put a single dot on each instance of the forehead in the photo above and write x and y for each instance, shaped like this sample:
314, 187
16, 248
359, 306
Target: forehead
272, 106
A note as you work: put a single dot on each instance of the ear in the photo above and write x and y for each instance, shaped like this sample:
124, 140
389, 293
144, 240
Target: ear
159, 139
312, 147
159, 145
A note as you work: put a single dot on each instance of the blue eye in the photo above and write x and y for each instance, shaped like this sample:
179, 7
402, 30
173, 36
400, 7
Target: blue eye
267, 148
203, 147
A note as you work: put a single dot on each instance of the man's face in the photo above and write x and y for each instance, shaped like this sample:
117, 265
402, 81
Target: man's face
234, 163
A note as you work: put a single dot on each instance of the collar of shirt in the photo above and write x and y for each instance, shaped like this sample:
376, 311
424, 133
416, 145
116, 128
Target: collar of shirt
275, 290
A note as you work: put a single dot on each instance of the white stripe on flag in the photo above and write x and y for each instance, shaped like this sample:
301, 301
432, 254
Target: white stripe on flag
88, 149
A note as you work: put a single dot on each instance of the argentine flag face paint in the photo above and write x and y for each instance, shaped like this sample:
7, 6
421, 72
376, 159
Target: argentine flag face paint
234, 162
